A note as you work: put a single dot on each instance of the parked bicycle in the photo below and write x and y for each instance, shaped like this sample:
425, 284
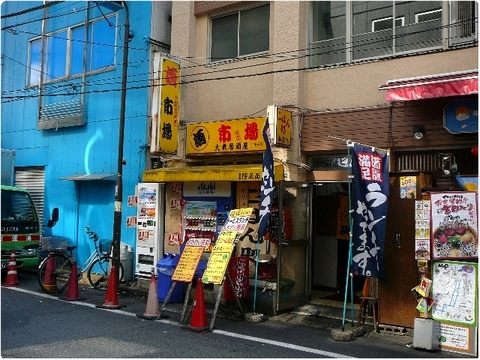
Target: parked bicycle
54, 271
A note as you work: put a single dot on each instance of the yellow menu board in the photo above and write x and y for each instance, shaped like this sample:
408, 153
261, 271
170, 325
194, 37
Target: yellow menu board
222, 251
187, 265
226, 237
217, 264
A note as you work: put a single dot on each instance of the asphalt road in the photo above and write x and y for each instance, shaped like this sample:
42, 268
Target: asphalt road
35, 324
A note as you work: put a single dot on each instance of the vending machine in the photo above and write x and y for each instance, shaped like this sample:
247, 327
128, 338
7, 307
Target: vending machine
150, 227
206, 209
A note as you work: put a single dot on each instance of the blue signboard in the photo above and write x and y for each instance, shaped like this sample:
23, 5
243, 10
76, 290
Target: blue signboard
461, 116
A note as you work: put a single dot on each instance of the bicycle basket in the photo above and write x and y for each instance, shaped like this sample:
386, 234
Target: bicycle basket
105, 246
54, 243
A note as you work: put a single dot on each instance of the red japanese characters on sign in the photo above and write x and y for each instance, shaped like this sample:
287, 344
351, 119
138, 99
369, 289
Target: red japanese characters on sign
226, 136
370, 167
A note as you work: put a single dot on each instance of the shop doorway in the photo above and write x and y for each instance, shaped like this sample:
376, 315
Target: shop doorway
294, 245
330, 244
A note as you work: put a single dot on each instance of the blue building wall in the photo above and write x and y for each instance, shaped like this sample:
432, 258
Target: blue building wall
91, 148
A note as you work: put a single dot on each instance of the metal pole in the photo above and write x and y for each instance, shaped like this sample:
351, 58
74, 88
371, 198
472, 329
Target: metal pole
350, 222
117, 217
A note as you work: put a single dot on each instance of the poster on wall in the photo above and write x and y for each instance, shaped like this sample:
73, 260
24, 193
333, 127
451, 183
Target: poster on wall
457, 338
454, 225
408, 187
454, 290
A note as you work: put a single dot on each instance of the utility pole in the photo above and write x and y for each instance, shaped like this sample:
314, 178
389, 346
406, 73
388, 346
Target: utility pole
117, 216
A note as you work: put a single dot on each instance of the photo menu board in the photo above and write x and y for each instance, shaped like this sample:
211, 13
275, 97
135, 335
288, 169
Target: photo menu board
454, 225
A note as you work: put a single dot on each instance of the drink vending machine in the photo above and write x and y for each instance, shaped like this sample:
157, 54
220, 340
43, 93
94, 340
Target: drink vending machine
150, 227
200, 219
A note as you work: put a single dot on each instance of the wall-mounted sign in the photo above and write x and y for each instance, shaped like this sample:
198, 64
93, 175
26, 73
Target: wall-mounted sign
454, 225
280, 122
408, 187
226, 136
165, 105
207, 189
455, 292
461, 116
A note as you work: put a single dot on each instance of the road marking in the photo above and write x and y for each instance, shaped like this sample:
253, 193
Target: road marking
216, 331
281, 344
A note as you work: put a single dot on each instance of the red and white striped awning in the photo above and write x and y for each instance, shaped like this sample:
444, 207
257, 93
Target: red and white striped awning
432, 86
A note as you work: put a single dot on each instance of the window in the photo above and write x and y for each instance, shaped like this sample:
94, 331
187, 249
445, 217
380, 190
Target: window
346, 31
328, 32
429, 15
387, 23
64, 51
244, 32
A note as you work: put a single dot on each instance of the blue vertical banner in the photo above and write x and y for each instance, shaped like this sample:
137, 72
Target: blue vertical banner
267, 188
370, 189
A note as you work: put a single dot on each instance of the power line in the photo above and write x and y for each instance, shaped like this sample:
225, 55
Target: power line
344, 48
26, 11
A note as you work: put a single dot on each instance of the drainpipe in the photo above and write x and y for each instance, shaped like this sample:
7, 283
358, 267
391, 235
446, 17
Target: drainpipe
117, 217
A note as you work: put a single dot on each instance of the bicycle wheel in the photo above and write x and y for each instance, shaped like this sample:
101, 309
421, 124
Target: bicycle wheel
54, 273
98, 273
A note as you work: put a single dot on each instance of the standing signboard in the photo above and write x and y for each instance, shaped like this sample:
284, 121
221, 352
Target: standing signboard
454, 241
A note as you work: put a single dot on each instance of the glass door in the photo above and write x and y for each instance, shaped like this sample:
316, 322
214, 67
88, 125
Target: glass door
294, 244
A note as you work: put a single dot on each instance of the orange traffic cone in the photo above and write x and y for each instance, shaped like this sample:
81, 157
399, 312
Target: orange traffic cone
49, 280
12, 277
199, 313
111, 298
152, 310
73, 293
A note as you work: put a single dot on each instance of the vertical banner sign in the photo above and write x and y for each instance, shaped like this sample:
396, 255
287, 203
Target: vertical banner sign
369, 204
267, 188
280, 122
169, 106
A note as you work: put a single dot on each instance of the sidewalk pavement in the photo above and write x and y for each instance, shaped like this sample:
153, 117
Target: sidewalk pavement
326, 315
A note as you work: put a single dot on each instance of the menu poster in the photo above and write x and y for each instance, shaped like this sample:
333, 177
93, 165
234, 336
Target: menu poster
454, 225
457, 338
217, 264
226, 237
147, 195
454, 289
187, 265
145, 238
237, 223
408, 187
422, 249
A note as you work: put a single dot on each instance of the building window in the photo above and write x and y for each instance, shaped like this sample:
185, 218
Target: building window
428, 15
347, 31
244, 32
387, 23
328, 33
64, 51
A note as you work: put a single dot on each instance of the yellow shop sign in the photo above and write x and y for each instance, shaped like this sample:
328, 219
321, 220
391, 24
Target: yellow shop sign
280, 121
169, 106
226, 136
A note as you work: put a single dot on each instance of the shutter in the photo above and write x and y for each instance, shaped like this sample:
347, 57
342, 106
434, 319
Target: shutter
32, 179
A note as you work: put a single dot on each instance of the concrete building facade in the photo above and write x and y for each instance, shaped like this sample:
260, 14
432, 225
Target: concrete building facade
337, 67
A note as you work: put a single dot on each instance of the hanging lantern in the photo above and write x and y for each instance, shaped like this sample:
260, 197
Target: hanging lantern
474, 150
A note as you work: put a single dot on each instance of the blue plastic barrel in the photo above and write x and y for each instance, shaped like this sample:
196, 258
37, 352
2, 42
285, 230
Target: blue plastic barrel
165, 269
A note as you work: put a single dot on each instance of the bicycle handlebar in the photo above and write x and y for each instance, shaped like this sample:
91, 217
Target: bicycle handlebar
92, 234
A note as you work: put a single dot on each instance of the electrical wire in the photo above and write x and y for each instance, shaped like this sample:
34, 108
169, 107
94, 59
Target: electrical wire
345, 48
